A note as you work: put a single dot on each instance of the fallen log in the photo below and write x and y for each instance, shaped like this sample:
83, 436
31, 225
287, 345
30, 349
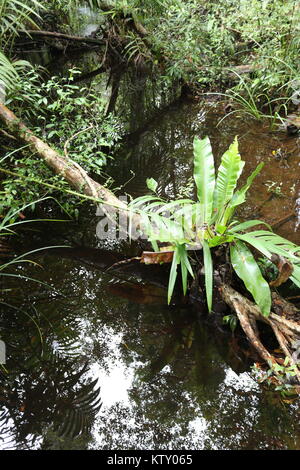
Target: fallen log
76, 176
62, 36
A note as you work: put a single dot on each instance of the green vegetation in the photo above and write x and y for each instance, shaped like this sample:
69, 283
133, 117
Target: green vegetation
208, 44
16, 16
209, 223
8, 225
72, 119
285, 373
245, 51
198, 42
195, 42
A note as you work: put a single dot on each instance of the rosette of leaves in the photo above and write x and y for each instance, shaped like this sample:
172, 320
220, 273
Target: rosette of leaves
209, 222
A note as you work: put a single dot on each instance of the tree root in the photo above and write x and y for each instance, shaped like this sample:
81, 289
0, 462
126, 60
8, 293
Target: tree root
286, 331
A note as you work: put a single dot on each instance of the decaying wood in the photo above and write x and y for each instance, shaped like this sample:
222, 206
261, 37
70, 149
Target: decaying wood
241, 306
148, 257
62, 36
286, 331
285, 269
76, 176
283, 307
157, 257
283, 220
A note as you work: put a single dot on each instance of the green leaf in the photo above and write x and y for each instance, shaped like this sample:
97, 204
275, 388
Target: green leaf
184, 274
220, 240
204, 176
247, 269
162, 228
208, 266
268, 242
248, 224
221, 229
296, 275
173, 275
181, 257
9, 74
286, 361
151, 184
144, 199
255, 242
175, 205
154, 245
229, 172
239, 196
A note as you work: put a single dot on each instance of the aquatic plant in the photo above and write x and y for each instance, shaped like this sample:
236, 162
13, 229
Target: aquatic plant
248, 98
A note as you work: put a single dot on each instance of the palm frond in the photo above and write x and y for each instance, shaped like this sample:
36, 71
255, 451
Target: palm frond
9, 74
15, 16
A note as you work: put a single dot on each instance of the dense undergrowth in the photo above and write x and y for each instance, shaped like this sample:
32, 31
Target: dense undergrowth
199, 43
71, 118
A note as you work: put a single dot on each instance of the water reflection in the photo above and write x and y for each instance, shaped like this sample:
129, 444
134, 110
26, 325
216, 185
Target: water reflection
168, 414
166, 377
163, 150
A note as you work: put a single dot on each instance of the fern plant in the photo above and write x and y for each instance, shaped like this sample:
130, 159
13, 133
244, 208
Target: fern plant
15, 15
7, 225
10, 74
207, 223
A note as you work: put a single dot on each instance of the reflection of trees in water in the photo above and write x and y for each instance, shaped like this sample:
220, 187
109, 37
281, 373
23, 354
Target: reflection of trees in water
241, 420
140, 97
162, 149
45, 393
182, 385
179, 397
130, 428
52, 401
171, 414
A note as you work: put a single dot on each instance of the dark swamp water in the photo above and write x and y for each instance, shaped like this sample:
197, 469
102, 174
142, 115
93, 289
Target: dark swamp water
99, 361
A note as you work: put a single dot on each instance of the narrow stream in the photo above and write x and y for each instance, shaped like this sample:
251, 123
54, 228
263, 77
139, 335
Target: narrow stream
167, 377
